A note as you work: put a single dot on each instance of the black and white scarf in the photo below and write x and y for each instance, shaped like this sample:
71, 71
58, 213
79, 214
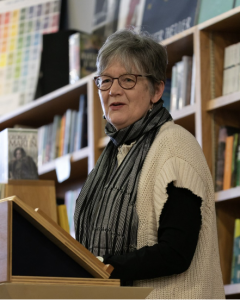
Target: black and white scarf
105, 217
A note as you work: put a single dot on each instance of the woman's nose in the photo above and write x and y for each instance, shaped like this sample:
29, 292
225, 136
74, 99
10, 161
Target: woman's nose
115, 88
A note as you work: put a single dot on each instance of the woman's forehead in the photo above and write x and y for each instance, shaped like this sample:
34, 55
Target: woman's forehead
127, 64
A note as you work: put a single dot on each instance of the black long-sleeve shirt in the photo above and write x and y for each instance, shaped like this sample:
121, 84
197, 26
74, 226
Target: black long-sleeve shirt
180, 223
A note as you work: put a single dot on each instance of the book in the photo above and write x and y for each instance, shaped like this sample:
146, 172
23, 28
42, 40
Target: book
193, 81
238, 164
235, 274
164, 19
62, 217
173, 102
228, 163
186, 80
81, 139
167, 94
70, 202
18, 154
179, 84
234, 159
224, 132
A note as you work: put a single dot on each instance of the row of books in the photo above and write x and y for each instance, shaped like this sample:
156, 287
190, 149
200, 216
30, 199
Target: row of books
231, 72
183, 83
67, 133
228, 158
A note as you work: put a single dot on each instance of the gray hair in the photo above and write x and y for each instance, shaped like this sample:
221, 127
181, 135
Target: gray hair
135, 50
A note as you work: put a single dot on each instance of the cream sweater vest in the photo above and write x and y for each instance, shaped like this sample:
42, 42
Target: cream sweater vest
176, 156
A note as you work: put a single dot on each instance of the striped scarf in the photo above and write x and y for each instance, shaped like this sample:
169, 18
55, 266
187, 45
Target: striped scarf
105, 217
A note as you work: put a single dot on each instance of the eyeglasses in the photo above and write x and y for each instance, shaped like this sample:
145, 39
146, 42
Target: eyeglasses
126, 81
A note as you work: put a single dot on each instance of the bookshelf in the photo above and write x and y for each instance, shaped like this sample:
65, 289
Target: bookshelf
203, 119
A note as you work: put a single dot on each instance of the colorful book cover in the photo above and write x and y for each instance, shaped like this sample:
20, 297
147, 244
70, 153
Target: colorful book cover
19, 154
164, 19
235, 276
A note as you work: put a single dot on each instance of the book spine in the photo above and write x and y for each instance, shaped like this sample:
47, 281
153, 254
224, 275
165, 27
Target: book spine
234, 160
62, 133
238, 164
173, 103
235, 276
62, 217
228, 163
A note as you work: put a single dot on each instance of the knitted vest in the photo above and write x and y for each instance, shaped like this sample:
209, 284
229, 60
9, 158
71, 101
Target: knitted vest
176, 156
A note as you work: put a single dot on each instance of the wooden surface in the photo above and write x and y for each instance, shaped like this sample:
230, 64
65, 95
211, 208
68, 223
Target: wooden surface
65, 280
59, 291
5, 238
60, 238
36, 193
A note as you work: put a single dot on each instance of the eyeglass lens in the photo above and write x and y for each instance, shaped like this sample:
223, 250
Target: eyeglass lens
126, 81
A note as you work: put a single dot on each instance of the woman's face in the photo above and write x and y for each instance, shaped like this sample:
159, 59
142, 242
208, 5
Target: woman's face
124, 107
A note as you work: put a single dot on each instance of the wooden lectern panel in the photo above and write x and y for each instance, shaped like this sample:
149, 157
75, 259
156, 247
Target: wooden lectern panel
61, 291
34, 247
35, 193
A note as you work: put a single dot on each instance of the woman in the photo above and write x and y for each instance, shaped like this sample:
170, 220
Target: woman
148, 207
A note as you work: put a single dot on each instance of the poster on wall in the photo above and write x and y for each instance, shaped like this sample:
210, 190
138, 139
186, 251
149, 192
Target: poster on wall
22, 24
165, 18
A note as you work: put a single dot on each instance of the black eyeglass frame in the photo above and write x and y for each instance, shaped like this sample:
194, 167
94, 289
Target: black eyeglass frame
136, 76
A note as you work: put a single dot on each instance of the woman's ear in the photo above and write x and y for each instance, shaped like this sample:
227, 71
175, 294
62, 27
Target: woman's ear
159, 89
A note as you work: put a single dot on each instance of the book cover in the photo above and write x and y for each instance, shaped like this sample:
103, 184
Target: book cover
164, 19
89, 46
235, 276
228, 163
19, 154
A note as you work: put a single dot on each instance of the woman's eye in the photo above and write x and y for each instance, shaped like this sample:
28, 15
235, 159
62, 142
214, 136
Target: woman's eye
127, 79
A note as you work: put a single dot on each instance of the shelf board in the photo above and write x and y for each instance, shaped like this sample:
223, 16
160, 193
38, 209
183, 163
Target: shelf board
230, 101
76, 158
103, 142
42, 110
184, 112
229, 194
232, 289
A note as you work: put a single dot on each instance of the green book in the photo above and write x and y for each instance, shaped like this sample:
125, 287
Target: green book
235, 276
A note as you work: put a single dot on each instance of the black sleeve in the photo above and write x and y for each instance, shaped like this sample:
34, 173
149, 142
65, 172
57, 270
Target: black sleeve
180, 224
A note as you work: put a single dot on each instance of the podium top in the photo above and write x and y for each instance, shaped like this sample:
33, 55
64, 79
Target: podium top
57, 235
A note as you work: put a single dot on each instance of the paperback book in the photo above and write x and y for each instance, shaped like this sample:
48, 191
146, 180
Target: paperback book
19, 154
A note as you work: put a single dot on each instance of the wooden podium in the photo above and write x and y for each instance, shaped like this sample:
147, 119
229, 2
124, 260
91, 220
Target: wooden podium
38, 259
